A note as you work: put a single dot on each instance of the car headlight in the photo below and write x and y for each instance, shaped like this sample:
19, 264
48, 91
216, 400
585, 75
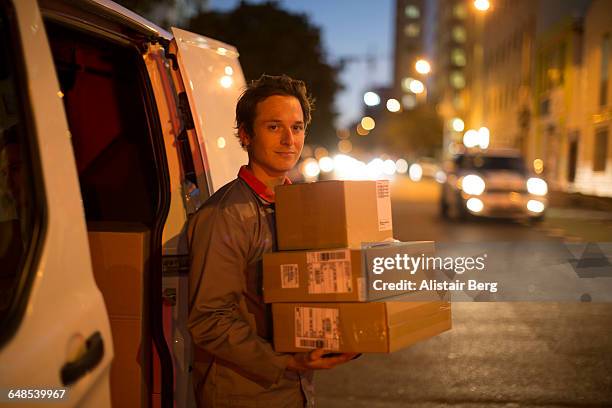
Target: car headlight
537, 186
472, 184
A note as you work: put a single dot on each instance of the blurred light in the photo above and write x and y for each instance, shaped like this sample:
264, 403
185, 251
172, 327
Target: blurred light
474, 205
393, 105
440, 176
457, 125
412, 30
371, 98
361, 131
222, 51
306, 151
229, 70
368, 123
226, 81
310, 168
401, 165
415, 172
472, 184
459, 34
422, 67
60, 94
457, 79
406, 83
470, 138
453, 148
221, 142
412, 11
535, 206
348, 168
320, 152
483, 137
417, 86
537, 186
374, 169
345, 146
326, 164
389, 167
409, 101
482, 5
538, 166
343, 133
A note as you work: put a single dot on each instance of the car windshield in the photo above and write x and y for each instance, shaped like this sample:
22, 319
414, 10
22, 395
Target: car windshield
484, 163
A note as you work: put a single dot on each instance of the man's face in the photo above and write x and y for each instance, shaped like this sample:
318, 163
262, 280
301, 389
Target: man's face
278, 135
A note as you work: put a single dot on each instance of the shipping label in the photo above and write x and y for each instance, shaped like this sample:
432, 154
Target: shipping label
290, 278
383, 205
329, 271
317, 327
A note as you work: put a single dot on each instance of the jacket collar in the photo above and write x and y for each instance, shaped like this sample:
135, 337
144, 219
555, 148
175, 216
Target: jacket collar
263, 191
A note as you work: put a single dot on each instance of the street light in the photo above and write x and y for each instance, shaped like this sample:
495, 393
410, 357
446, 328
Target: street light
371, 98
482, 5
417, 87
393, 105
422, 67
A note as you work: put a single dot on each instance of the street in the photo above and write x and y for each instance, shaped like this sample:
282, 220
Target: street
497, 354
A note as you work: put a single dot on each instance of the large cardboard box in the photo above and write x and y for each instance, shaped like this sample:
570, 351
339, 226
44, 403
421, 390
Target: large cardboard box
376, 327
333, 214
344, 275
119, 257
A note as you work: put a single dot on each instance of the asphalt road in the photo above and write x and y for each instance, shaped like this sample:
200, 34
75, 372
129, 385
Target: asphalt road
515, 354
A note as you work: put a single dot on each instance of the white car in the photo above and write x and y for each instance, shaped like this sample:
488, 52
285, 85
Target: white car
492, 183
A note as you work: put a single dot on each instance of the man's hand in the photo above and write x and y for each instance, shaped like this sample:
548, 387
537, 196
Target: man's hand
315, 360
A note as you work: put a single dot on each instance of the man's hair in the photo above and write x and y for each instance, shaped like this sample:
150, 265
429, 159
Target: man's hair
264, 87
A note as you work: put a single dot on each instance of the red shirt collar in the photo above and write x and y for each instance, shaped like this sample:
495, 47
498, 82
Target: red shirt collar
257, 186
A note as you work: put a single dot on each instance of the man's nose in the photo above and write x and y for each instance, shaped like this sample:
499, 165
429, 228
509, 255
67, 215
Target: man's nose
287, 136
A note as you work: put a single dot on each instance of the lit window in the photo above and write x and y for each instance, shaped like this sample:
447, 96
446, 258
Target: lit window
458, 57
459, 34
459, 11
412, 11
412, 30
457, 80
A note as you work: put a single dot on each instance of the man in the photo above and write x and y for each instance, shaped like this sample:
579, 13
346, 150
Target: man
234, 362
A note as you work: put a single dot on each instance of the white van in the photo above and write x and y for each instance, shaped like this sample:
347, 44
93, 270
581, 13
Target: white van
113, 132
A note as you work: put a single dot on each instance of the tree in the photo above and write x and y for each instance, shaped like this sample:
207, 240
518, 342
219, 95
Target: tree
273, 41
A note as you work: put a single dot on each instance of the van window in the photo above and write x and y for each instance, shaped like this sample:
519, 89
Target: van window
21, 205
105, 107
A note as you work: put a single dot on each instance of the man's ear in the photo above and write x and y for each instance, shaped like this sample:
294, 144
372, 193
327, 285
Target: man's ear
245, 139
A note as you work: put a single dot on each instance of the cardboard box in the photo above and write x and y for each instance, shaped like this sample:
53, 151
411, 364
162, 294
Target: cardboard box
333, 214
376, 327
342, 275
119, 257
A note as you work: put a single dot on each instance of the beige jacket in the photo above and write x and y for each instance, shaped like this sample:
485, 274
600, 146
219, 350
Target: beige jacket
234, 363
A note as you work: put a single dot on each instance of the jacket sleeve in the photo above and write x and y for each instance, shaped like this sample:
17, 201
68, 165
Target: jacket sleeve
219, 244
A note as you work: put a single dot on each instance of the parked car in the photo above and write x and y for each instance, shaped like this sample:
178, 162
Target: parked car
113, 131
492, 183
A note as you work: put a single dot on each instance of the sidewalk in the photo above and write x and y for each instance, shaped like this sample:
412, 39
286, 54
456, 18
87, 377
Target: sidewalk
577, 200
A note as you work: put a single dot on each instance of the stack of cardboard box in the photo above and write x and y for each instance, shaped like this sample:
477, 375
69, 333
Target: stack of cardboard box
320, 283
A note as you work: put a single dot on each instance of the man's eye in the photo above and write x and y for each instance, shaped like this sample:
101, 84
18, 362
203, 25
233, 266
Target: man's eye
298, 127
272, 127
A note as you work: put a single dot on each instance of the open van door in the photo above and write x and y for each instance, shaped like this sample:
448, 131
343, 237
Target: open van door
213, 82
55, 332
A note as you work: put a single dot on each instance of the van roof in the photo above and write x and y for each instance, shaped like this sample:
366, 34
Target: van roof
121, 14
